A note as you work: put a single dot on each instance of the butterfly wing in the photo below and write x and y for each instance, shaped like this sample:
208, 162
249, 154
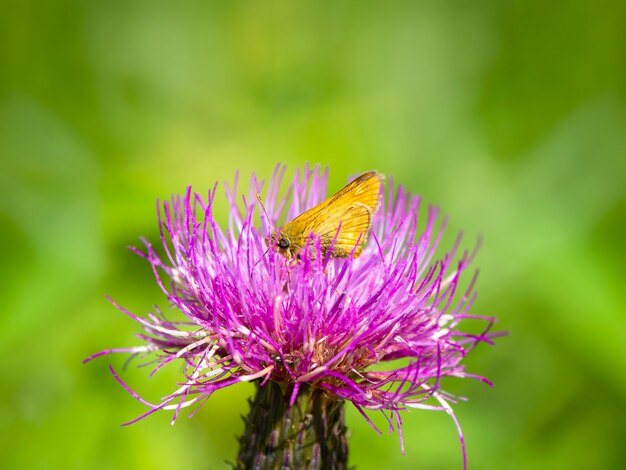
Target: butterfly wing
350, 226
347, 215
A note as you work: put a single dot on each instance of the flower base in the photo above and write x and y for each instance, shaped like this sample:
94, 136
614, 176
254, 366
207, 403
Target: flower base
311, 434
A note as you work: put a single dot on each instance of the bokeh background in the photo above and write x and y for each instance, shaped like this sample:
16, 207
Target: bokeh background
510, 116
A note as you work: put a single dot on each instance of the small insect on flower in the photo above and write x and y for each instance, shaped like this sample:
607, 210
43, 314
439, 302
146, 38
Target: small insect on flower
341, 222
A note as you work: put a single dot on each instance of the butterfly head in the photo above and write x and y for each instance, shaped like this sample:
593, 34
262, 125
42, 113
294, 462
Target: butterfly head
282, 242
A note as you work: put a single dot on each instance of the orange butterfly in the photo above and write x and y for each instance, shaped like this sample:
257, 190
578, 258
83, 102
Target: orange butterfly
344, 218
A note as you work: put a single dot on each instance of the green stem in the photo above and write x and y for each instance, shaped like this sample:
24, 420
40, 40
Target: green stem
309, 435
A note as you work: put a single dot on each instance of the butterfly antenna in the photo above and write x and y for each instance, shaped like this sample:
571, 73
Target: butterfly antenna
269, 223
267, 217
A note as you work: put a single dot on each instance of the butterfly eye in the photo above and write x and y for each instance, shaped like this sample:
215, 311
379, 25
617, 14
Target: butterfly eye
283, 243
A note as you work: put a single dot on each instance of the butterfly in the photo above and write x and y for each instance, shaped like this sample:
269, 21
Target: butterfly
342, 222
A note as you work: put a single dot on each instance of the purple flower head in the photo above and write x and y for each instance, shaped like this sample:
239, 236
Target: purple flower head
380, 330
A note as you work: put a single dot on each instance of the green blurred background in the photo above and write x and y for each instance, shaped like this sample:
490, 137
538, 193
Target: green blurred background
510, 116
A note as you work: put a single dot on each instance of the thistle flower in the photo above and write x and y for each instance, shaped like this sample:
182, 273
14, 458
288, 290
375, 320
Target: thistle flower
379, 331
